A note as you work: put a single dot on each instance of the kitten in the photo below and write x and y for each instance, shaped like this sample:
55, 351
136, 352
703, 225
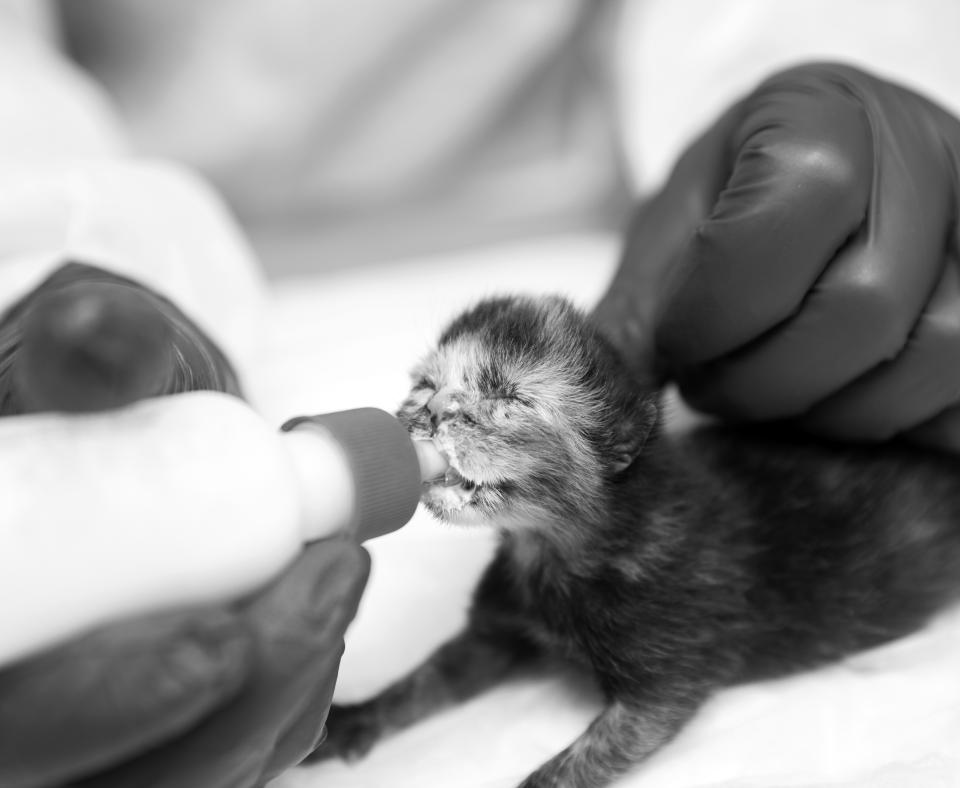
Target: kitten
668, 566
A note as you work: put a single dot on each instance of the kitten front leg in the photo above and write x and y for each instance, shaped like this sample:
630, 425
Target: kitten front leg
463, 667
620, 737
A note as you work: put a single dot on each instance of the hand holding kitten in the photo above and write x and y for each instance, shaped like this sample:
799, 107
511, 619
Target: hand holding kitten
802, 262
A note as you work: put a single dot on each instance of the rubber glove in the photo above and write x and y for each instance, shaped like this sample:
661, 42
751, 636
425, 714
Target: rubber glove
86, 339
223, 696
802, 262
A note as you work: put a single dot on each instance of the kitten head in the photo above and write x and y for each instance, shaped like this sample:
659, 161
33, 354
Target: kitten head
534, 410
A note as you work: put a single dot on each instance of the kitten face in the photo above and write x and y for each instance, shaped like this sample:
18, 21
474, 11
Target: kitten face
520, 396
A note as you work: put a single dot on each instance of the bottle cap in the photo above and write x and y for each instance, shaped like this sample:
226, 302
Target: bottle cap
383, 463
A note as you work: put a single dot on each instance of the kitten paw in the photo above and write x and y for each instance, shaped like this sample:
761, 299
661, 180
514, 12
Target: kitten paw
351, 733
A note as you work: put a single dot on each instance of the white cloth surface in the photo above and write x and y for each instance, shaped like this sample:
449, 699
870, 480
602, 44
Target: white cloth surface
889, 718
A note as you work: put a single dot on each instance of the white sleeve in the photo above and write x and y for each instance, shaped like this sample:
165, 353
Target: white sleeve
72, 191
683, 63
152, 221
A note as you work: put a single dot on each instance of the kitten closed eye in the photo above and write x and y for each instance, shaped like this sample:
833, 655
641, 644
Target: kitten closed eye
423, 383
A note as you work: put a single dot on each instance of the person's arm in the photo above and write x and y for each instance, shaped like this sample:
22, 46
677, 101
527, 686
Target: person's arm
220, 694
802, 261
186, 500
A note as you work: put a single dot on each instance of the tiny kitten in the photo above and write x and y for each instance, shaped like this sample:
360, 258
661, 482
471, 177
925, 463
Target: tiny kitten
668, 566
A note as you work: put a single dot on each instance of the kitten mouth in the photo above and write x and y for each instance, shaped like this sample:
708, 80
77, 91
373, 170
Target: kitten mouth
450, 494
453, 482
453, 478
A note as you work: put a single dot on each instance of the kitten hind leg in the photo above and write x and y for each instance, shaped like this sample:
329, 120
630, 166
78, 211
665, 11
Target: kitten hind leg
620, 737
461, 668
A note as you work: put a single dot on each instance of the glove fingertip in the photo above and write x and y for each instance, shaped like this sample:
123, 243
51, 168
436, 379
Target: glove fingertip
316, 596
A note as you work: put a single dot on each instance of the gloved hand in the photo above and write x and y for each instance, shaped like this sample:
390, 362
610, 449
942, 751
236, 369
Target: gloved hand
86, 339
219, 697
802, 262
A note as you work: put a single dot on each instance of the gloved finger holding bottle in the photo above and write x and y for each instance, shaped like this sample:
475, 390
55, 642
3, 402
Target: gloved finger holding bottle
296, 631
801, 261
225, 692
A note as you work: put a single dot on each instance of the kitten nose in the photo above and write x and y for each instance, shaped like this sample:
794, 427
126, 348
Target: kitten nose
442, 407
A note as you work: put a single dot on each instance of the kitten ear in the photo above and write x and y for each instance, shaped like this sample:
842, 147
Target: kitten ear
635, 431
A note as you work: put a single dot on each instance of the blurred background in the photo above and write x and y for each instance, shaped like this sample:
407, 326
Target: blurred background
342, 132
